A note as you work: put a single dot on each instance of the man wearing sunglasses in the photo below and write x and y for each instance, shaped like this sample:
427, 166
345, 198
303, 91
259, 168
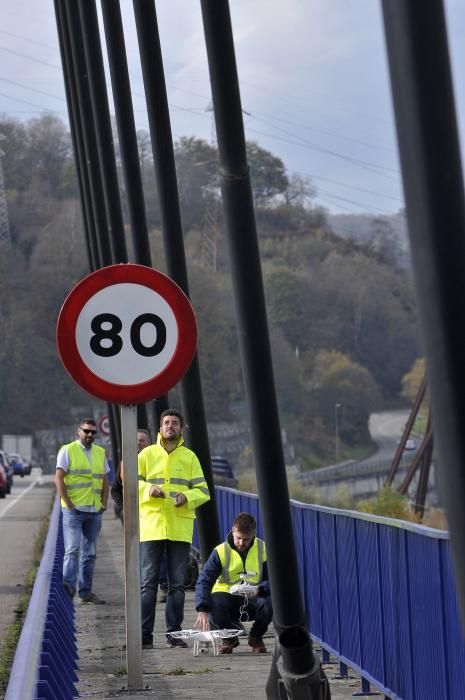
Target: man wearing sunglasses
81, 480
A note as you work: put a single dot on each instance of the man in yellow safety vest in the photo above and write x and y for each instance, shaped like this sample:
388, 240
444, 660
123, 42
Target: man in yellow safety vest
233, 586
171, 487
81, 480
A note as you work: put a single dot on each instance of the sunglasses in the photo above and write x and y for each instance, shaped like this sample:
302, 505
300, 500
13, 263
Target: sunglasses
87, 431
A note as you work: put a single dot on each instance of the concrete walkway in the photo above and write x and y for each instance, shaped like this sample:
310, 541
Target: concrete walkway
168, 673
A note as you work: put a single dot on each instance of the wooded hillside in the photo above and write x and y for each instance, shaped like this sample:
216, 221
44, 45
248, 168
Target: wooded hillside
342, 314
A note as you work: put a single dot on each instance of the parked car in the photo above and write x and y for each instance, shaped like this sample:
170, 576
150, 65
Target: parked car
17, 462
411, 444
3, 483
9, 470
27, 466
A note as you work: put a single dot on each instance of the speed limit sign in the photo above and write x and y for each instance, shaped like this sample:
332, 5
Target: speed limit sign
104, 425
126, 333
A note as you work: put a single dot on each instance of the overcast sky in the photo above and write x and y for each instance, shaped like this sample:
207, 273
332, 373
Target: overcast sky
313, 78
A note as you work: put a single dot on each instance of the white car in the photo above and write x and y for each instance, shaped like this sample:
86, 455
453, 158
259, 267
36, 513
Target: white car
411, 444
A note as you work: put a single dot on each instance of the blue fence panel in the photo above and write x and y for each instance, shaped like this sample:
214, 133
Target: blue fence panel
426, 616
312, 564
370, 620
453, 632
298, 527
396, 607
346, 571
329, 587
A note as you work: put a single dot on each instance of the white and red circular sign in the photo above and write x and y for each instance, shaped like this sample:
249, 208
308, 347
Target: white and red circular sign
126, 333
104, 425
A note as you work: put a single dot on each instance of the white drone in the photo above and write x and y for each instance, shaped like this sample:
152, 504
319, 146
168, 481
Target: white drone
203, 639
244, 588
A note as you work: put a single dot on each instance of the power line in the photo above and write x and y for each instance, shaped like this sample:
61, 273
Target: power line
30, 58
344, 184
28, 40
40, 92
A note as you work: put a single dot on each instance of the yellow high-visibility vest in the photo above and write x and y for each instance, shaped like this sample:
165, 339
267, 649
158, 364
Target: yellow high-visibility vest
84, 479
233, 565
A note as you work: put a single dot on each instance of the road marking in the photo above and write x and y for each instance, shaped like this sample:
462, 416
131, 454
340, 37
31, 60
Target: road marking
39, 481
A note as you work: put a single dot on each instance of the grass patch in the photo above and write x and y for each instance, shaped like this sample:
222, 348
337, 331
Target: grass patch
121, 671
180, 671
13, 632
390, 503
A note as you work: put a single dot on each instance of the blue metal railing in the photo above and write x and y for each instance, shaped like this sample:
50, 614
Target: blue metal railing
45, 660
380, 594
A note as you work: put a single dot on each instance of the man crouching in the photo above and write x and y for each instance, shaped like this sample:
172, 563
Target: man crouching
241, 558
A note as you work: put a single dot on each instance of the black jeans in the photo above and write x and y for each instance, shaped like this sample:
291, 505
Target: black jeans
226, 612
177, 557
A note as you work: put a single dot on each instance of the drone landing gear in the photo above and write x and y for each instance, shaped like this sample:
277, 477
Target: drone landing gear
203, 647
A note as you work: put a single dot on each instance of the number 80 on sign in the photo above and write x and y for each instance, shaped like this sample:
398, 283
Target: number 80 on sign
126, 333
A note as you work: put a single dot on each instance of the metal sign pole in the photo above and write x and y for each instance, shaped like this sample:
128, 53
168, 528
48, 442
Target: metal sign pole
131, 547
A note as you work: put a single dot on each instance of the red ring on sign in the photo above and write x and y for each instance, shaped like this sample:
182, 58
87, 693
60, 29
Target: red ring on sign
126, 393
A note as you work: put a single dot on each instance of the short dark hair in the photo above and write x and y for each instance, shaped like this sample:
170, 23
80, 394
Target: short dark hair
172, 412
245, 522
89, 421
146, 432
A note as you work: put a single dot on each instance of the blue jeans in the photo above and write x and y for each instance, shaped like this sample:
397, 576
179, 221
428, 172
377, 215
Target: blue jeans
80, 533
225, 612
177, 557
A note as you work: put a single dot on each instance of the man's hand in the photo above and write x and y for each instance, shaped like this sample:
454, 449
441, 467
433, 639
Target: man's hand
156, 492
252, 593
179, 500
202, 622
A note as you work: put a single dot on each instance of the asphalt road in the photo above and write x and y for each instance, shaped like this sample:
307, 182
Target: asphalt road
21, 514
386, 430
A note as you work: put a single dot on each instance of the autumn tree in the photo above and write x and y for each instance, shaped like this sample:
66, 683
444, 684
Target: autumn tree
411, 381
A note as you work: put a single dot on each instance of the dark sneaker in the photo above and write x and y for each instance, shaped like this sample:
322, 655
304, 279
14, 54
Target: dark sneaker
176, 642
147, 645
228, 644
92, 598
69, 590
257, 645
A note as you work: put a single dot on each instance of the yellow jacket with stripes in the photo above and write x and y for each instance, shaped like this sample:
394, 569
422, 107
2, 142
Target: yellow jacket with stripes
84, 479
174, 472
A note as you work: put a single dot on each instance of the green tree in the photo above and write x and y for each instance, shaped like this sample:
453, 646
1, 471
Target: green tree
197, 171
337, 380
267, 174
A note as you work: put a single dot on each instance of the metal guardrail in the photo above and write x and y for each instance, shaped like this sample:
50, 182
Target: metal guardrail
350, 469
45, 659
379, 594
